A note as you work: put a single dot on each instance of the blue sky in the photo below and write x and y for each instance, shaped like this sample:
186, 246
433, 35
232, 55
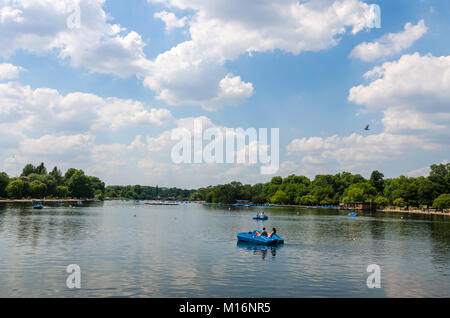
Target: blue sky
105, 96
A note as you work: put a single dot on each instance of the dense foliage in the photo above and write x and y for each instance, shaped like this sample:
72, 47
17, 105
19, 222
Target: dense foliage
431, 191
138, 192
340, 188
35, 182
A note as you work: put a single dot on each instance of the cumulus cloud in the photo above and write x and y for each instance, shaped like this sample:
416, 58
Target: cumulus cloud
9, 71
42, 125
390, 44
422, 172
413, 92
57, 145
193, 72
352, 151
170, 19
414, 95
41, 26
74, 113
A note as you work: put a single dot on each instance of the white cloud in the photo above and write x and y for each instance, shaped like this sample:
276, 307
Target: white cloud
413, 92
75, 113
9, 71
66, 151
352, 151
170, 19
422, 172
137, 143
56, 145
193, 72
40, 26
414, 95
390, 44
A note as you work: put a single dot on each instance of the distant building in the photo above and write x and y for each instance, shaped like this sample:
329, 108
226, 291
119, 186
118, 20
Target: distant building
362, 206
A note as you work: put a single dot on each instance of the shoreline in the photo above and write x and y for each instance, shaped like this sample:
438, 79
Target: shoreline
379, 210
71, 200
413, 212
46, 200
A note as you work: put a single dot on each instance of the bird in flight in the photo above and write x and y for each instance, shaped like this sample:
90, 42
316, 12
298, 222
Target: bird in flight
367, 128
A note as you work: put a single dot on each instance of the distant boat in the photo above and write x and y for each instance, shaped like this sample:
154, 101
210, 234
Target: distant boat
80, 203
260, 217
38, 207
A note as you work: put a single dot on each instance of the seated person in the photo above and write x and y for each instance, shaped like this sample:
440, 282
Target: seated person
274, 231
262, 233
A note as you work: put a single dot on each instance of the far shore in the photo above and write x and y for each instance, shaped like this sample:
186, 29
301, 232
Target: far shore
414, 212
71, 200
45, 200
383, 210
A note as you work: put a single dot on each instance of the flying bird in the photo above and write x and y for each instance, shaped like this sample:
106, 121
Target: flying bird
367, 128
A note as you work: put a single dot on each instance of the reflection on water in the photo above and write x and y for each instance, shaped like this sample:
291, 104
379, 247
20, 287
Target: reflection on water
260, 249
134, 250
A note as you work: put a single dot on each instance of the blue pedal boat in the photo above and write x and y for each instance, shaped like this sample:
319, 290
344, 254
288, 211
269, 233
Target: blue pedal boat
38, 207
250, 237
259, 217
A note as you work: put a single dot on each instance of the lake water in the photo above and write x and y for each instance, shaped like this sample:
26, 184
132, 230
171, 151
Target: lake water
128, 249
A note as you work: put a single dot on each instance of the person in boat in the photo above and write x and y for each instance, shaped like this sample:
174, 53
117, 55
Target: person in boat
274, 232
262, 233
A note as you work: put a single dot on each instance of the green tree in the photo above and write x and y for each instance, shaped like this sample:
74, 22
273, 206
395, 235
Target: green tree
400, 202
442, 202
99, 195
277, 180
280, 198
402, 187
360, 192
62, 192
308, 200
442, 170
38, 189
293, 179
377, 181
326, 201
80, 185
99, 185
15, 188
4, 180
69, 173
41, 169
381, 201
427, 191
27, 170
57, 174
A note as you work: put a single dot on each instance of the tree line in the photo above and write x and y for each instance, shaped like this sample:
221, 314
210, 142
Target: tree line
404, 192
138, 192
35, 182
